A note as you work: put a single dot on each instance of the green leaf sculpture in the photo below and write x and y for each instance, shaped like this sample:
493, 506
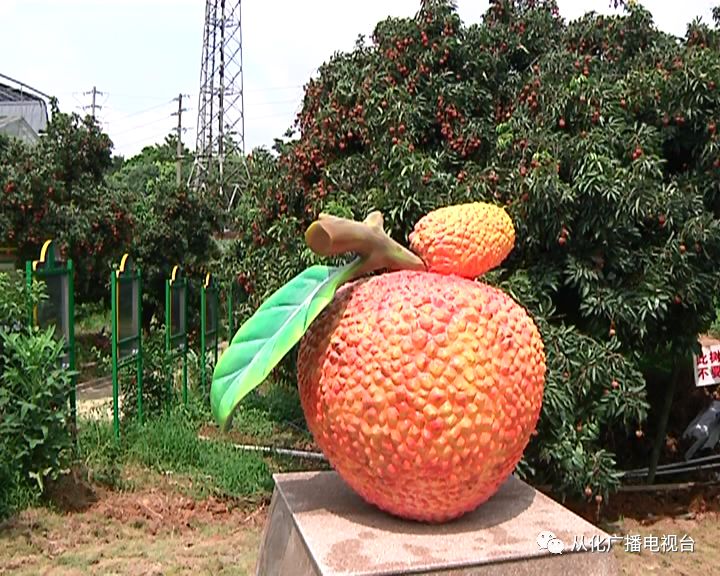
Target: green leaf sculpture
279, 324
282, 320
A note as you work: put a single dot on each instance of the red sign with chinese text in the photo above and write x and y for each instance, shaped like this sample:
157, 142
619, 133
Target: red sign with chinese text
707, 366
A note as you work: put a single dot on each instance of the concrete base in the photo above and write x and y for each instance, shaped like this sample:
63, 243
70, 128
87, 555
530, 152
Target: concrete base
318, 526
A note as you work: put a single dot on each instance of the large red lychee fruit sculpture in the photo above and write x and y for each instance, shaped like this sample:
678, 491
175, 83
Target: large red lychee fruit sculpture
421, 385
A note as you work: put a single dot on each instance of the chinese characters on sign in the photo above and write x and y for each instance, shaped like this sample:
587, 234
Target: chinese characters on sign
633, 543
707, 366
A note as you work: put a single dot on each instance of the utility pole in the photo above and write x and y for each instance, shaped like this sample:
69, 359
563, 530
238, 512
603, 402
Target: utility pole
179, 155
94, 105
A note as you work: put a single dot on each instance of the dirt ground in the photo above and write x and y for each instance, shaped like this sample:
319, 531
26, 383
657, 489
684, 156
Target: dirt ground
151, 531
694, 512
158, 530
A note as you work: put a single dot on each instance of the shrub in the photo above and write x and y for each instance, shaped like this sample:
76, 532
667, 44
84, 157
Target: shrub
156, 396
155, 393
600, 138
35, 443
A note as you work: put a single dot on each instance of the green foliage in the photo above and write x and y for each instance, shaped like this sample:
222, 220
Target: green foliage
172, 225
254, 423
100, 454
714, 329
279, 402
155, 392
13, 304
33, 397
34, 436
92, 317
16, 493
600, 138
68, 188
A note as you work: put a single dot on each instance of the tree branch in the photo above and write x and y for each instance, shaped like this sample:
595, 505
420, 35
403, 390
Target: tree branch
331, 235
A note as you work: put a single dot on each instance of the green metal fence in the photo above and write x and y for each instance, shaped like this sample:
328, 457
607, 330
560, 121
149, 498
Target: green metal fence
126, 294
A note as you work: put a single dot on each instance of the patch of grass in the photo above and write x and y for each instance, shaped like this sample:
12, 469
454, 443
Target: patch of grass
172, 443
169, 443
91, 318
271, 415
254, 422
15, 493
279, 401
100, 454
78, 559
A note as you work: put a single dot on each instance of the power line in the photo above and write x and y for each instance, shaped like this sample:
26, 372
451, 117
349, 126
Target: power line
292, 101
274, 89
269, 116
164, 118
143, 111
141, 96
154, 136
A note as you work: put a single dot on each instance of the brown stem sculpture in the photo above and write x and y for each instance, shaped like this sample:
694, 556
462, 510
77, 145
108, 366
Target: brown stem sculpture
331, 235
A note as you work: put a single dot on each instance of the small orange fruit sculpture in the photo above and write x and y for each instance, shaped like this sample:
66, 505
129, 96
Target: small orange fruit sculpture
422, 388
466, 240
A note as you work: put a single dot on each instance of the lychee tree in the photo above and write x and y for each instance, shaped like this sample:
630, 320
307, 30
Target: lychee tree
599, 136
56, 189
171, 224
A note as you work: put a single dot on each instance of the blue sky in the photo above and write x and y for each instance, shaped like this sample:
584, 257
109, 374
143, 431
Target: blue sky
142, 53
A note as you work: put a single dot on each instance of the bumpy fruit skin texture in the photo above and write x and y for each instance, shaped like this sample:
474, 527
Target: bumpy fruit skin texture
465, 239
422, 390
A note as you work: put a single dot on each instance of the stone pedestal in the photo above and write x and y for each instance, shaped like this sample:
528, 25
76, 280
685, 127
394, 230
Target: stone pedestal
318, 526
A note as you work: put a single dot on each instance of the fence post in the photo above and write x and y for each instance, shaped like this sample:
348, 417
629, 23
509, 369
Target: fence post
176, 326
71, 341
139, 368
126, 330
58, 310
203, 328
209, 324
167, 361
230, 311
114, 351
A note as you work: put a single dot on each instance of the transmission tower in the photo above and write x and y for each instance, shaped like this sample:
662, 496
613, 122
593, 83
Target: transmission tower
220, 146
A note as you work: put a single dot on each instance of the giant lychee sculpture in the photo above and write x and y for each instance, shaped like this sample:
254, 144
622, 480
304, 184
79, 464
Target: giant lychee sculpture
421, 385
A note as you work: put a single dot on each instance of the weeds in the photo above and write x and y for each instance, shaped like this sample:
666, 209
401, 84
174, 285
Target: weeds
169, 443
